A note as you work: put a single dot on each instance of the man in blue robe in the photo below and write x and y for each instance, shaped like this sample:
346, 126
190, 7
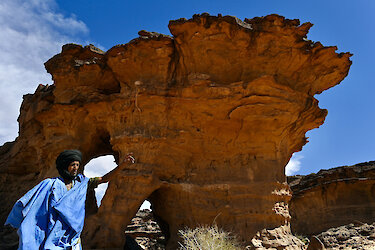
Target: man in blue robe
51, 215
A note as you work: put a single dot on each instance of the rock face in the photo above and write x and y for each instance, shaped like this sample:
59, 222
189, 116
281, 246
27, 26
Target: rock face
333, 198
277, 238
145, 230
212, 114
351, 236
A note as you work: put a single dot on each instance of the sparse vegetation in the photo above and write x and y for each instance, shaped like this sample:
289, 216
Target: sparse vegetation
303, 238
208, 238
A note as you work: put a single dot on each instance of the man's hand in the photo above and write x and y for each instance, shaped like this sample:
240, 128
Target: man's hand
129, 159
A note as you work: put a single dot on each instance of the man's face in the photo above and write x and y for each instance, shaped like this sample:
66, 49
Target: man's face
73, 168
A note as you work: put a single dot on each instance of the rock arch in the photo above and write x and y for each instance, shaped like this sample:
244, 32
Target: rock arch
213, 114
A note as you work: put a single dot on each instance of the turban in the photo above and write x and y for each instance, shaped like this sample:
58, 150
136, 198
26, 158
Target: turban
64, 159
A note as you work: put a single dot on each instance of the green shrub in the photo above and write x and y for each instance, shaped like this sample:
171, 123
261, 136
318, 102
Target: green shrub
207, 238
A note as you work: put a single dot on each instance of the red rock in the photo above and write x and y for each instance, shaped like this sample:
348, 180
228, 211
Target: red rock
333, 198
212, 114
315, 244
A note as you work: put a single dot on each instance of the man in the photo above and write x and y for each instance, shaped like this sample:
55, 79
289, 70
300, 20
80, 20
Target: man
51, 215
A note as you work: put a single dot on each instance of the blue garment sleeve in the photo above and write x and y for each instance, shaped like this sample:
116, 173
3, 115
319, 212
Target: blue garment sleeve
49, 216
25, 203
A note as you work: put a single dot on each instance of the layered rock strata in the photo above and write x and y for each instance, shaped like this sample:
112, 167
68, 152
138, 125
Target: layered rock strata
146, 231
332, 198
277, 238
212, 114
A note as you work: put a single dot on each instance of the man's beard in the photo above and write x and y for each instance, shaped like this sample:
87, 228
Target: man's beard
67, 175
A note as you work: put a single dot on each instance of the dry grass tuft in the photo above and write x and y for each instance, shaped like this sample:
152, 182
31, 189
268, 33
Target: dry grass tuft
208, 238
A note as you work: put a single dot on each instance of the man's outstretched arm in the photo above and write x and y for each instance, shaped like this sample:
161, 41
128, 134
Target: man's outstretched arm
129, 159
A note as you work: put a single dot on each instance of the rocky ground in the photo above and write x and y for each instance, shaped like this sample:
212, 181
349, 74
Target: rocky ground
360, 236
148, 235
146, 231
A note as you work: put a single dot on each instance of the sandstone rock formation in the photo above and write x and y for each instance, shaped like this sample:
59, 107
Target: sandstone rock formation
351, 236
277, 238
333, 198
145, 230
212, 114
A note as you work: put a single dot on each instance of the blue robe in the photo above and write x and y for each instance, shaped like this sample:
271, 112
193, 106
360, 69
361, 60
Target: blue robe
49, 216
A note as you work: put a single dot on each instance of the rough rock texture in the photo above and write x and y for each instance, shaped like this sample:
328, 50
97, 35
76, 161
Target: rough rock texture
333, 198
349, 237
146, 231
277, 238
8, 238
212, 114
315, 244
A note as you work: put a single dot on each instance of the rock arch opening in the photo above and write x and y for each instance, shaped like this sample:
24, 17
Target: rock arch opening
98, 167
146, 229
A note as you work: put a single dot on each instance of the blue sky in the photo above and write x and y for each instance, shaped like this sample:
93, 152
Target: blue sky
34, 30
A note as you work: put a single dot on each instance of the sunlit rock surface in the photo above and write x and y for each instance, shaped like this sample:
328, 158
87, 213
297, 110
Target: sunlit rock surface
333, 198
145, 230
212, 114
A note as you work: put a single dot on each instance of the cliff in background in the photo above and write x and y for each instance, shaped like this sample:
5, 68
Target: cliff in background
332, 198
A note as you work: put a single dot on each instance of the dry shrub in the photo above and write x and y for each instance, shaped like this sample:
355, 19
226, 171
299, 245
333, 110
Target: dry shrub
207, 238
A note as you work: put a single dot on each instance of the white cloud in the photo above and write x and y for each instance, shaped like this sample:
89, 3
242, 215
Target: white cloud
294, 165
98, 167
31, 32
100, 192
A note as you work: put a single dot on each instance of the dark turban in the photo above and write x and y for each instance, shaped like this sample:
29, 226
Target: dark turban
64, 159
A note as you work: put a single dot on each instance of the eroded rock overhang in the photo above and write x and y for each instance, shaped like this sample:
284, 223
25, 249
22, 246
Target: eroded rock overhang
212, 114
